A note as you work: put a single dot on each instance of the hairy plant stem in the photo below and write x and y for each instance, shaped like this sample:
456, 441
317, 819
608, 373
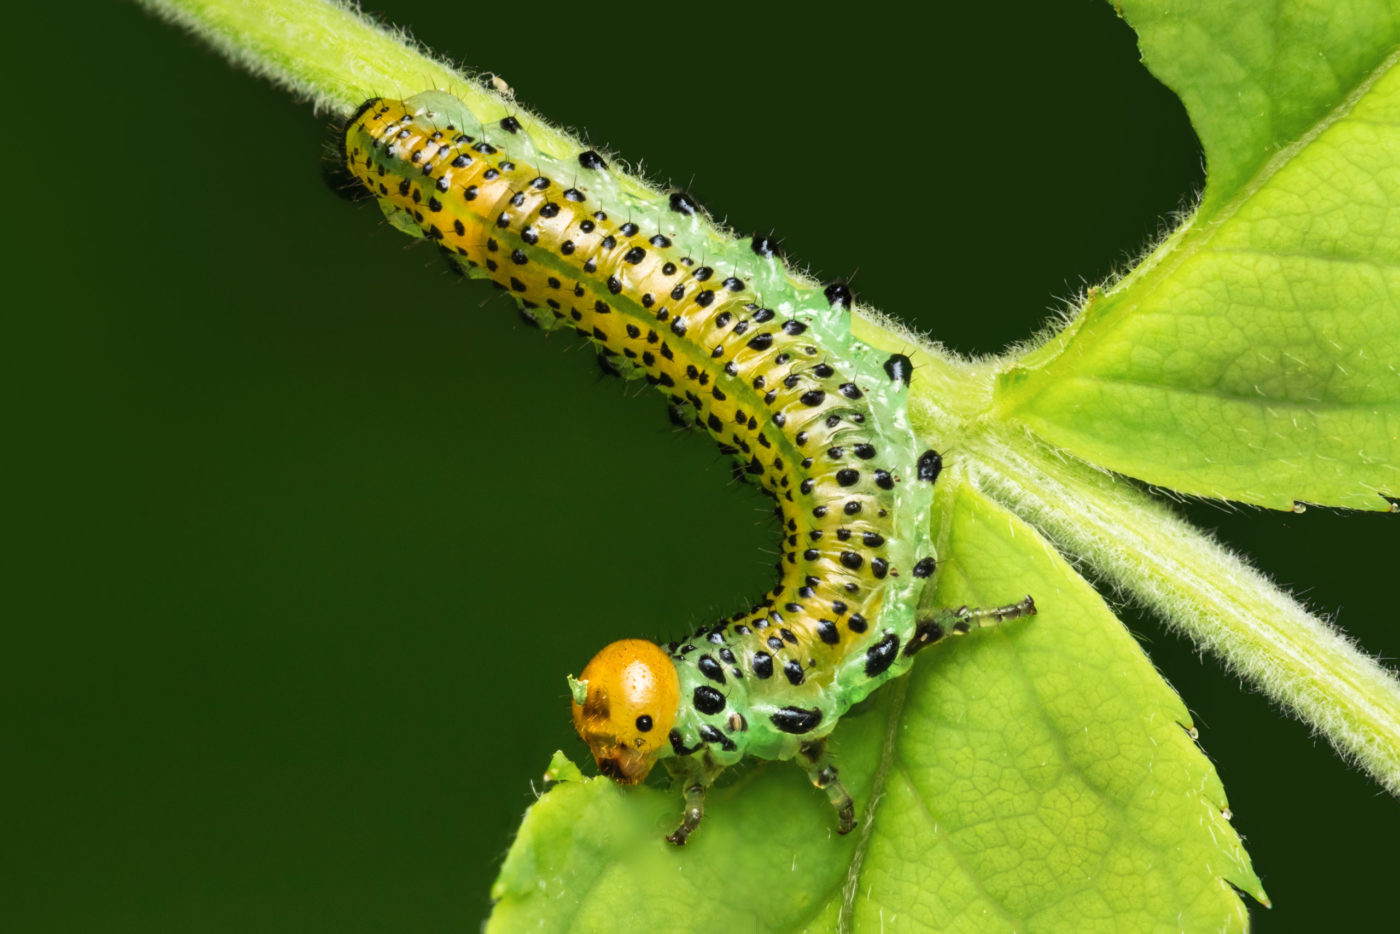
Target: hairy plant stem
333, 56
1206, 591
1136, 543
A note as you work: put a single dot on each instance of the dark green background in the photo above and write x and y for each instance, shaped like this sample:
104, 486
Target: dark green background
307, 532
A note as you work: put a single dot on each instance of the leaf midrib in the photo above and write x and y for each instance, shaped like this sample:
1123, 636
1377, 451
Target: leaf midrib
1310, 406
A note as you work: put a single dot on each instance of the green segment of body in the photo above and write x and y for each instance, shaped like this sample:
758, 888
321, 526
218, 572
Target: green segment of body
761, 360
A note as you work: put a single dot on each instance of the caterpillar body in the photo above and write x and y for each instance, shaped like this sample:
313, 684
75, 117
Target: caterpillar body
762, 361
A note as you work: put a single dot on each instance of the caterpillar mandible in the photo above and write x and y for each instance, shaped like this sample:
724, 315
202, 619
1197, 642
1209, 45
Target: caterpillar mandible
768, 366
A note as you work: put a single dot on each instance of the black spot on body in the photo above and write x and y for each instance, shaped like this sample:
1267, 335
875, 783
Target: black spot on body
710, 668
880, 656
767, 247
839, 295
796, 720
591, 160
678, 744
708, 700
682, 203
711, 735
763, 665
930, 465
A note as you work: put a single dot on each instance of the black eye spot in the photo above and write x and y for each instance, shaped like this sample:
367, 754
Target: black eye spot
644, 723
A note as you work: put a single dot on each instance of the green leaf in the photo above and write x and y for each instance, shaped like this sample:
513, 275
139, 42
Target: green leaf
1252, 356
1257, 76
1035, 777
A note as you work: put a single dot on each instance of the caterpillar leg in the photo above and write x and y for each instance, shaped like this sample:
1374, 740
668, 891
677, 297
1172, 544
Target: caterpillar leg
931, 629
816, 760
695, 775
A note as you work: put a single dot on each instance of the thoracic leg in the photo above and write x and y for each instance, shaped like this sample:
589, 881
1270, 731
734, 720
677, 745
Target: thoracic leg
695, 775
817, 761
931, 629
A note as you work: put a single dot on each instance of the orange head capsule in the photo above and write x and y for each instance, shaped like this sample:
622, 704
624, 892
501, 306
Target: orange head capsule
625, 705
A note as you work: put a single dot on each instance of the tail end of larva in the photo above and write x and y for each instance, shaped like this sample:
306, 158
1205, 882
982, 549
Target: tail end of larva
335, 168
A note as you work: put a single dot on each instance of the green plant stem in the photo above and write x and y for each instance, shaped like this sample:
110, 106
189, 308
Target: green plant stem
1137, 544
1206, 591
335, 57
319, 50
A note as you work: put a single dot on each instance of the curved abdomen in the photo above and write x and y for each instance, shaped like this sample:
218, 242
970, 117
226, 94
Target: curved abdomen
763, 362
